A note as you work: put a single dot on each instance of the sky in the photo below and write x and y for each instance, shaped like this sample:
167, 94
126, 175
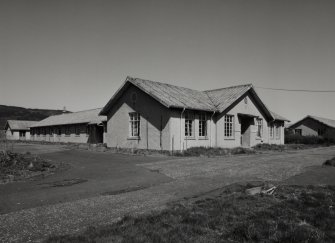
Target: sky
77, 53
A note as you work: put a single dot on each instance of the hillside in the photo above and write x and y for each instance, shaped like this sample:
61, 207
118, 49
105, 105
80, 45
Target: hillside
20, 113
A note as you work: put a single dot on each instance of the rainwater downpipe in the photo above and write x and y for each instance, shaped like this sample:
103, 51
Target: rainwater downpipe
210, 129
181, 116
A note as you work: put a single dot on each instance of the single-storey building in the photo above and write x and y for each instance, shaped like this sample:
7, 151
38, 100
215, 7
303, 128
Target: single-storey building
152, 115
77, 127
313, 126
18, 129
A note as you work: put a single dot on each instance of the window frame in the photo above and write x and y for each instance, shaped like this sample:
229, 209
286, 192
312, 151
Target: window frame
260, 127
203, 127
277, 132
67, 131
77, 130
134, 125
189, 122
272, 131
229, 127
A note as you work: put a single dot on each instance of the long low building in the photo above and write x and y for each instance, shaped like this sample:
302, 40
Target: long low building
18, 129
77, 127
151, 115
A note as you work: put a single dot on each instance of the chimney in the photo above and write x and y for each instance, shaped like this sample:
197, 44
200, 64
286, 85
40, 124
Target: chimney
64, 109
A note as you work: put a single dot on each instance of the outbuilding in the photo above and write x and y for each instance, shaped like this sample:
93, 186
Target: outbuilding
77, 127
18, 129
145, 114
313, 126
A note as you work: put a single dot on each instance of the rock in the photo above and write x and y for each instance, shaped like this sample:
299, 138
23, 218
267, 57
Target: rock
254, 190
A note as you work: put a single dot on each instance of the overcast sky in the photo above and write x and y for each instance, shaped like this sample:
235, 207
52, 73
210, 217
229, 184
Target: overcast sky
77, 53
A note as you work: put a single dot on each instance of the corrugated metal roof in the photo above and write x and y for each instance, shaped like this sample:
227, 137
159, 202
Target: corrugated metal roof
87, 116
19, 124
326, 121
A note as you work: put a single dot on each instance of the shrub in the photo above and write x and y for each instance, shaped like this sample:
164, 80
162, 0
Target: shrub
330, 162
311, 140
216, 151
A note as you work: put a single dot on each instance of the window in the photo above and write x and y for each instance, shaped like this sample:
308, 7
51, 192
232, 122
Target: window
87, 130
51, 131
77, 130
277, 131
134, 124
259, 127
38, 132
229, 126
22, 133
271, 131
321, 131
189, 120
44, 132
67, 131
298, 131
202, 125
59, 131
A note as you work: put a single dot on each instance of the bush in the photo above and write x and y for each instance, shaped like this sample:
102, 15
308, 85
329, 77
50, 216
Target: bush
207, 151
330, 162
311, 140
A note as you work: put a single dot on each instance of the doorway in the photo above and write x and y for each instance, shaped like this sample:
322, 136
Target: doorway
246, 121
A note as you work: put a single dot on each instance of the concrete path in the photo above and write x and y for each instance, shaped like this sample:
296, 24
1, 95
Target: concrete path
192, 176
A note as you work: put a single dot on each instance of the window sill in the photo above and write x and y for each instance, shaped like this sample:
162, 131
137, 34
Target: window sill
229, 138
189, 138
203, 138
77, 135
67, 135
133, 138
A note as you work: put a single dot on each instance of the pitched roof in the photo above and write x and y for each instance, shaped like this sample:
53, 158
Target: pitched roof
87, 116
19, 124
279, 117
325, 121
223, 98
172, 96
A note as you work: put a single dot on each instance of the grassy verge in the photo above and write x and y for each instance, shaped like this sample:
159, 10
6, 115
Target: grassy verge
14, 166
291, 214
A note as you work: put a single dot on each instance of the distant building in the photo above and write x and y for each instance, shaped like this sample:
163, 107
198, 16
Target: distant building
313, 126
18, 130
77, 127
151, 115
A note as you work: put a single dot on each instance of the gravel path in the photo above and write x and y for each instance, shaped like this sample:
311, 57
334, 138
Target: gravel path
192, 176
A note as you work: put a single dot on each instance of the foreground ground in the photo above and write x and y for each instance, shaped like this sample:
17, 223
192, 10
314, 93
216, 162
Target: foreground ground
176, 179
290, 214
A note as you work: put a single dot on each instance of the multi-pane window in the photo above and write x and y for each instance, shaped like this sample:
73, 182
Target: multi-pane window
44, 131
77, 130
59, 131
321, 131
202, 125
67, 131
134, 124
271, 131
277, 131
229, 126
298, 131
189, 121
259, 127
51, 131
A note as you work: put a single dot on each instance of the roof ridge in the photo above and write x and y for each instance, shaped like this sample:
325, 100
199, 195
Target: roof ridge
171, 85
313, 116
234, 86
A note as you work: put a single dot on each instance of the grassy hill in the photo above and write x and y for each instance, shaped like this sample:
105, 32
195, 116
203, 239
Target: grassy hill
20, 113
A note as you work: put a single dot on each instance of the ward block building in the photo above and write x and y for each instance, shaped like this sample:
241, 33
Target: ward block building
151, 115
77, 127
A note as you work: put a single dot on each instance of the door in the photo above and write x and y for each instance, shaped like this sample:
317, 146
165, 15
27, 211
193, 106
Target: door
245, 122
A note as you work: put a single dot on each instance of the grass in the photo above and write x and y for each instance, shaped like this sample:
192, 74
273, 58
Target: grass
291, 214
